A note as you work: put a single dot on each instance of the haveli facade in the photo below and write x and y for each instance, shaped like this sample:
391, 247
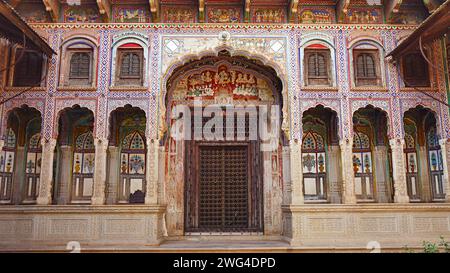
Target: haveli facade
362, 153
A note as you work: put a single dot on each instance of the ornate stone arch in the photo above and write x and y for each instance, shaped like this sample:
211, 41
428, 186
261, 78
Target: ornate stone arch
232, 53
62, 105
121, 103
431, 105
333, 106
9, 106
380, 105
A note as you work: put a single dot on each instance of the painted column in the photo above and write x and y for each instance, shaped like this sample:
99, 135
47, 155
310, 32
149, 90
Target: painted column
46, 178
101, 147
286, 175
424, 173
64, 177
297, 197
18, 175
113, 175
334, 174
445, 149
2, 144
381, 174
348, 176
399, 171
151, 196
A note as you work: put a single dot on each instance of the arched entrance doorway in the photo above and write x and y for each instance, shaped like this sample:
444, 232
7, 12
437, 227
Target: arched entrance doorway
227, 176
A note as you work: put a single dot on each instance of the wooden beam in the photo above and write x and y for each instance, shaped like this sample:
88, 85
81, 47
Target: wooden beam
293, 11
201, 11
19, 27
434, 27
104, 7
154, 9
53, 7
432, 5
15, 3
247, 11
392, 6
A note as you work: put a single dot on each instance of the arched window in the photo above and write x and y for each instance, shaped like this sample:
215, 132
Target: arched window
435, 164
362, 166
80, 64
415, 70
412, 175
317, 59
366, 67
83, 168
33, 168
7, 160
314, 166
130, 59
132, 169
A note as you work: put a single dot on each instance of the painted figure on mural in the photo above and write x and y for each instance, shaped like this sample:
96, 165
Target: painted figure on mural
224, 15
268, 16
309, 162
37, 16
239, 84
364, 16
179, 15
130, 15
80, 15
30, 166
88, 165
137, 164
77, 167
315, 16
356, 164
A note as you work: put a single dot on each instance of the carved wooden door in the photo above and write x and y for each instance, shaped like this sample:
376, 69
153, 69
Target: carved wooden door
223, 193
223, 187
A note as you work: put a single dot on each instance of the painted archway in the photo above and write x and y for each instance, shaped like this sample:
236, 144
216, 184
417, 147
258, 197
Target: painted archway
248, 86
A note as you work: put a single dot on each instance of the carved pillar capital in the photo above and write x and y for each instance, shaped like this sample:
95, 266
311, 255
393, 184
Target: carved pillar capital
101, 143
49, 144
